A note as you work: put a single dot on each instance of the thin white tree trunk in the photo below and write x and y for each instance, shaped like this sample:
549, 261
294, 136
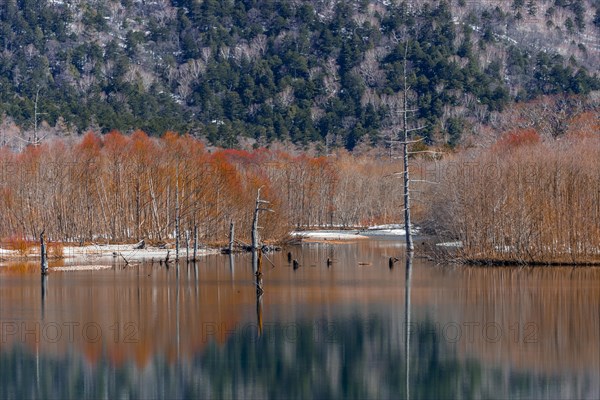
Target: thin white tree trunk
231, 237
406, 177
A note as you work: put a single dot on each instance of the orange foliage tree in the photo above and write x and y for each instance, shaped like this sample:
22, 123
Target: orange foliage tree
118, 188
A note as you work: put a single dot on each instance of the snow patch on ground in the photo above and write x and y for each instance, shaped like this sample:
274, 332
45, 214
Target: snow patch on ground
92, 252
450, 244
389, 230
378, 230
127, 251
328, 235
388, 226
81, 268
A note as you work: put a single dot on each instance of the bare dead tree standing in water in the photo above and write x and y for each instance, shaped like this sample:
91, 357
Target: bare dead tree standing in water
44, 256
405, 141
256, 247
405, 171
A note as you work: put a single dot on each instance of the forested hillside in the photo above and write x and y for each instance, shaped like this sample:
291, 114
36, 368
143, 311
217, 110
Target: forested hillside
300, 71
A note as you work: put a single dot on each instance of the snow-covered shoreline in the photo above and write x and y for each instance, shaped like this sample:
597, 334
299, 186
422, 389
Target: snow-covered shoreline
341, 235
106, 252
328, 235
129, 252
389, 230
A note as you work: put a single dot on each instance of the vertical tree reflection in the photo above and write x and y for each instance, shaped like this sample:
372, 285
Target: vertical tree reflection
407, 320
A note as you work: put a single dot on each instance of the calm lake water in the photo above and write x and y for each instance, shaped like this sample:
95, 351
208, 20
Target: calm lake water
356, 329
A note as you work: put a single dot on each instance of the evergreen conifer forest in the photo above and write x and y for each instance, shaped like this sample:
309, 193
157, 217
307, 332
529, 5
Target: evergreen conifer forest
127, 120
313, 72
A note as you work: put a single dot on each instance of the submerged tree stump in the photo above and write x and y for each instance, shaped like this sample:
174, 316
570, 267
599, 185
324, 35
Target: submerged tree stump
44, 261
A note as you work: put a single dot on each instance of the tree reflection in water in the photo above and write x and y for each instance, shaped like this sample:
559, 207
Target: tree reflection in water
279, 364
320, 331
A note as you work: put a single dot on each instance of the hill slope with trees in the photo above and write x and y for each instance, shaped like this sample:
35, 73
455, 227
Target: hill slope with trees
300, 71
